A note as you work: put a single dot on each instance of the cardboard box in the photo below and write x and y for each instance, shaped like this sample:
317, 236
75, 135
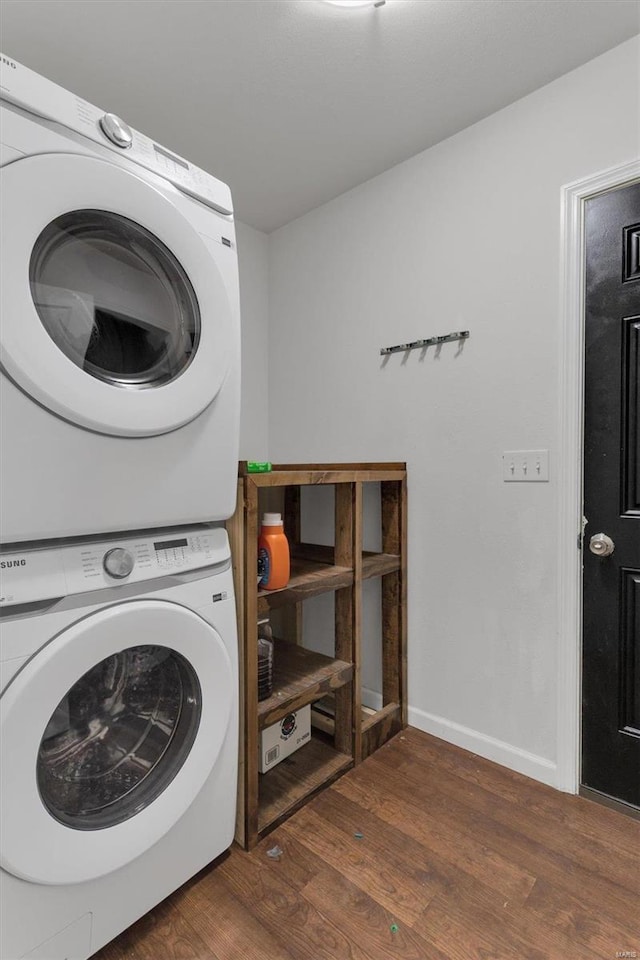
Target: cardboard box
283, 738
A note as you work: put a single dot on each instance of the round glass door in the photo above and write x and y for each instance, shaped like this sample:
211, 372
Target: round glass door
119, 737
119, 305
107, 740
114, 299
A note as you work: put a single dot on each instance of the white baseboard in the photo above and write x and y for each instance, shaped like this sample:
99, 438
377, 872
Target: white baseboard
371, 699
491, 749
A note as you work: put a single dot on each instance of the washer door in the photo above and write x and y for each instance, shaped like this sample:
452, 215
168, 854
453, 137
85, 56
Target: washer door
115, 314
107, 735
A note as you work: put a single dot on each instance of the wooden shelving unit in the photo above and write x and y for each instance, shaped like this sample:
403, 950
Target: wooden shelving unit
303, 676
299, 677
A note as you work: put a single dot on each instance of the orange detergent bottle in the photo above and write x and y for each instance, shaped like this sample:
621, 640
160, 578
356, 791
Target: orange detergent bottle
273, 553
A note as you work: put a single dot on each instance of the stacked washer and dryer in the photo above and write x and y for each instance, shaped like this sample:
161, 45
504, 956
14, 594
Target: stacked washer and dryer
119, 400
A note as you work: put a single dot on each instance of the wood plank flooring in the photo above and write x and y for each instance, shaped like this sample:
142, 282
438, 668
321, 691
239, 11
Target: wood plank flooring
459, 859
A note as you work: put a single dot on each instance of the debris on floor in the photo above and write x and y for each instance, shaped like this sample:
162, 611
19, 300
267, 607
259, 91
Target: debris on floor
275, 852
359, 836
394, 928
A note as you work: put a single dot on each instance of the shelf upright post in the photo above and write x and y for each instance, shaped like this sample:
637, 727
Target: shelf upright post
251, 661
394, 595
348, 614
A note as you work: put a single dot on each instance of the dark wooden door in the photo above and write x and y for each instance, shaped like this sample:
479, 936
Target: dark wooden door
611, 621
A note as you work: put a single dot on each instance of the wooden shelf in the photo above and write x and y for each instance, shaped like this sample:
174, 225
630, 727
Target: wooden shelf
296, 778
379, 564
300, 676
373, 564
315, 573
369, 719
300, 477
308, 579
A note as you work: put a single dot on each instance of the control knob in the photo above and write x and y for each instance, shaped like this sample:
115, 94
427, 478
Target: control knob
118, 563
116, 130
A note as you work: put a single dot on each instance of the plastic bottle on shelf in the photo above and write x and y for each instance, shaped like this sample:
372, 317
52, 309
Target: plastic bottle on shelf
273, 553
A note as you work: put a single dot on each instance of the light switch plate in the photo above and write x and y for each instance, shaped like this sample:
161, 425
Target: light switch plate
525, 466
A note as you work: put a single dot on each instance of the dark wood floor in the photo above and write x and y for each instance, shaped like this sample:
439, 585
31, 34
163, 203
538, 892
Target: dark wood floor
458, 859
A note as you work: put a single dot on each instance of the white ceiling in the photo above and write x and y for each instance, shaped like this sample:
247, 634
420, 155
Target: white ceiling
292, 102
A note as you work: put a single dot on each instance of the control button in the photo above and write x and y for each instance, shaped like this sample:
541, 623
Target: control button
118, 563
116, 130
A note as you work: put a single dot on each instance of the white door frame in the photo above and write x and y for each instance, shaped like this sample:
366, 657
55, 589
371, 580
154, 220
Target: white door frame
570, 458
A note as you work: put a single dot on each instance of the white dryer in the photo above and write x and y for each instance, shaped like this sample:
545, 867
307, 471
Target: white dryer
118, 732
119, 337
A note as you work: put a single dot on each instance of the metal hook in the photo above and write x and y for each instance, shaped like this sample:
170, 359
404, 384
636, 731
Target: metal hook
428, 342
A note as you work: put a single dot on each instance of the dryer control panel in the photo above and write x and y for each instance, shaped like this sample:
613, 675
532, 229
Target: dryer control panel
46, 99
44, 573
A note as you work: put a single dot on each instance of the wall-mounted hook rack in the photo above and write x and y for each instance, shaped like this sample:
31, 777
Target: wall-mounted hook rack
429, 342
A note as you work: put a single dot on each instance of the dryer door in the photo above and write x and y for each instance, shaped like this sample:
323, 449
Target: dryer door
115, 314
107, 735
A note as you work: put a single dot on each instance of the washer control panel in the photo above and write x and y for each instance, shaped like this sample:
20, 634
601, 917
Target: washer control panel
134, 560
44, 573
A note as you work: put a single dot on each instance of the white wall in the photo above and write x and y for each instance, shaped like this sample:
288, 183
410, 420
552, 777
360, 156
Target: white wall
254, 309
463, 236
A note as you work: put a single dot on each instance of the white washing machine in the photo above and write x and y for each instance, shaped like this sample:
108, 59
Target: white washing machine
119, 336
118, 732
